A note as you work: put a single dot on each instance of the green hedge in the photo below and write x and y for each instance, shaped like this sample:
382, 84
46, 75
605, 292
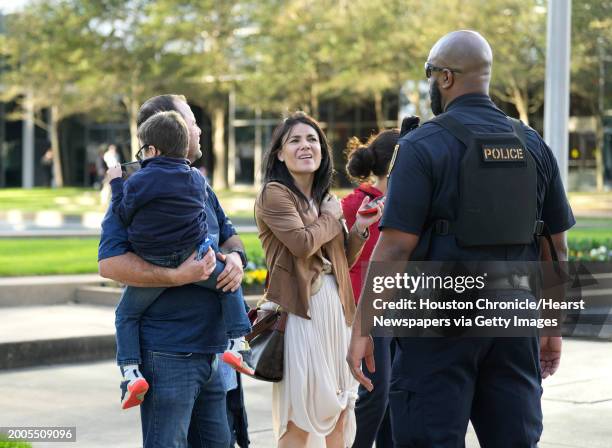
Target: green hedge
590, 249
6, 443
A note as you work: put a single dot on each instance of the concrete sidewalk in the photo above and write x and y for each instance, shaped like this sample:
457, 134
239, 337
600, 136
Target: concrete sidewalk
577, 403
63, 332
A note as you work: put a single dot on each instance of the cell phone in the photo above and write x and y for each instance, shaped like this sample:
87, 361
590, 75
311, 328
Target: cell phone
127, 169
370, 207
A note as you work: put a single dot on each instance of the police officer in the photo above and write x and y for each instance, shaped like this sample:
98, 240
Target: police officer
439, 384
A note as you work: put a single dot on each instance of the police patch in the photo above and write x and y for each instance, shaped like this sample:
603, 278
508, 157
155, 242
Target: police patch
393, 159
502, 153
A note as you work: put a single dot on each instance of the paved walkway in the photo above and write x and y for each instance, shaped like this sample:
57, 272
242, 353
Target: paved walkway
577, 403
53, 280
55, 322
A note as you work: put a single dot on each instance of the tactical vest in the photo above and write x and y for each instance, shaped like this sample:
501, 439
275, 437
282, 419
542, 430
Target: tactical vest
497, 188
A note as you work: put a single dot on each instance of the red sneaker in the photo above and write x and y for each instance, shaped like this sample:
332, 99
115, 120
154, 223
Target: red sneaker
133, 392
238, 361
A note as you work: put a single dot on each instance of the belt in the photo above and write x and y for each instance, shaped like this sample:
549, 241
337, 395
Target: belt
318, 282
510, 282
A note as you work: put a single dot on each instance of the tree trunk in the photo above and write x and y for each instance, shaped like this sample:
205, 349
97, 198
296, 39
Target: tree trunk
55, 147
231, 140
599, 163
521, 102
380, 120
415, 99
2, 144
133, 108
314, 102
258, 150
27, 142
220, 167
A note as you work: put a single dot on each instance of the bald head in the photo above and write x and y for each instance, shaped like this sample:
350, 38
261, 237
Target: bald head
464, 50
467, 58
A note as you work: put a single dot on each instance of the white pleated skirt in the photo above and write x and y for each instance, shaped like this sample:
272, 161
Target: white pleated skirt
317, 384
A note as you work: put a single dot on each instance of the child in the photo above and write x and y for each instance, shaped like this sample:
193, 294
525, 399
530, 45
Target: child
162, 205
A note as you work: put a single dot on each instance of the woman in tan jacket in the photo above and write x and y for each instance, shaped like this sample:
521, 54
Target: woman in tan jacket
308, 253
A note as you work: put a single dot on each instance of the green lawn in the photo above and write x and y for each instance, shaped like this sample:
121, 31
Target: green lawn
33, 256
38, 256
598, 233
6, 443
42, 256
65, 200
77, 256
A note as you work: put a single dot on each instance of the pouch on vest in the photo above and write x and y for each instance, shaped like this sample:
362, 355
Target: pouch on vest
497, 188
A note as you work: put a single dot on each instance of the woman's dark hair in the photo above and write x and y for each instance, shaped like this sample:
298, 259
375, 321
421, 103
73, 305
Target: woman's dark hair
276, 171
373, 157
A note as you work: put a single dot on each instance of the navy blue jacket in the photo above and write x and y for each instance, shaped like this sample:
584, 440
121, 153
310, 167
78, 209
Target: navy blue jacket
182, 319
162, 205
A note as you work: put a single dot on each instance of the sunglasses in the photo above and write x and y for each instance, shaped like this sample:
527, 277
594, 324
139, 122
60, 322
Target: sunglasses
141, 152
430, 68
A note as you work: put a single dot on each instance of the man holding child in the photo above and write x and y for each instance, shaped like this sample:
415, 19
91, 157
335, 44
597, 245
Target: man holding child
183, 330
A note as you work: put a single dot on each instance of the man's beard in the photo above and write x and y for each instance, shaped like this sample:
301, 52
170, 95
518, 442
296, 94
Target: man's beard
435, 97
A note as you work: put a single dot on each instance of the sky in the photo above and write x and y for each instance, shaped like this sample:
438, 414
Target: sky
8, 6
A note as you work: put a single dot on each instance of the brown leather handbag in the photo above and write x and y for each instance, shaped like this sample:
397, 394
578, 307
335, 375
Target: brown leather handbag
267, 341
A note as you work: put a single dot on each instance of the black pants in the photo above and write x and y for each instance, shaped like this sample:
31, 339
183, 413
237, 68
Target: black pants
372, 408
237, 417
439, 384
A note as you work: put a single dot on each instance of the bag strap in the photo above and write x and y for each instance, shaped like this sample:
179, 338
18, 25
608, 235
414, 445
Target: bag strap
541, 229
275, 321
281, 322
455, 127
548, 236
265, 324
464, 135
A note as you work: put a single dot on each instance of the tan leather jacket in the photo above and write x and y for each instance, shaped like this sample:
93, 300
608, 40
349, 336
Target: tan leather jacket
293, 236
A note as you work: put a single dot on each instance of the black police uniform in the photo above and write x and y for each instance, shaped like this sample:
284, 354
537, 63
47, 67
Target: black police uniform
440, 383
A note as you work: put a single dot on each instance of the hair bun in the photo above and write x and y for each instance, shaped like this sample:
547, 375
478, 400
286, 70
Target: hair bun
361, 159
371, 158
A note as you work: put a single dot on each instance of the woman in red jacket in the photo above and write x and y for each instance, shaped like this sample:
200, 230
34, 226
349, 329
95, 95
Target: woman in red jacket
369, 164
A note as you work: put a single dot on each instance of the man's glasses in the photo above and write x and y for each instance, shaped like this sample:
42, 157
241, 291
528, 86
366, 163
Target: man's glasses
141, 151
430, 68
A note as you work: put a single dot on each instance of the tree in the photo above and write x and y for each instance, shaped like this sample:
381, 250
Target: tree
214, 69
516, 30
47, 49
591, 75
137, 59
290, 54
374, 53
161, 46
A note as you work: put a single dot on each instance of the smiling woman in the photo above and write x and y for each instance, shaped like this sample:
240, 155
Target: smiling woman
301, 152
309, 252
299, 144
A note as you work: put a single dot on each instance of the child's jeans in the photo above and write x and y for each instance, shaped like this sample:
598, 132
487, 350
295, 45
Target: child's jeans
136, 300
